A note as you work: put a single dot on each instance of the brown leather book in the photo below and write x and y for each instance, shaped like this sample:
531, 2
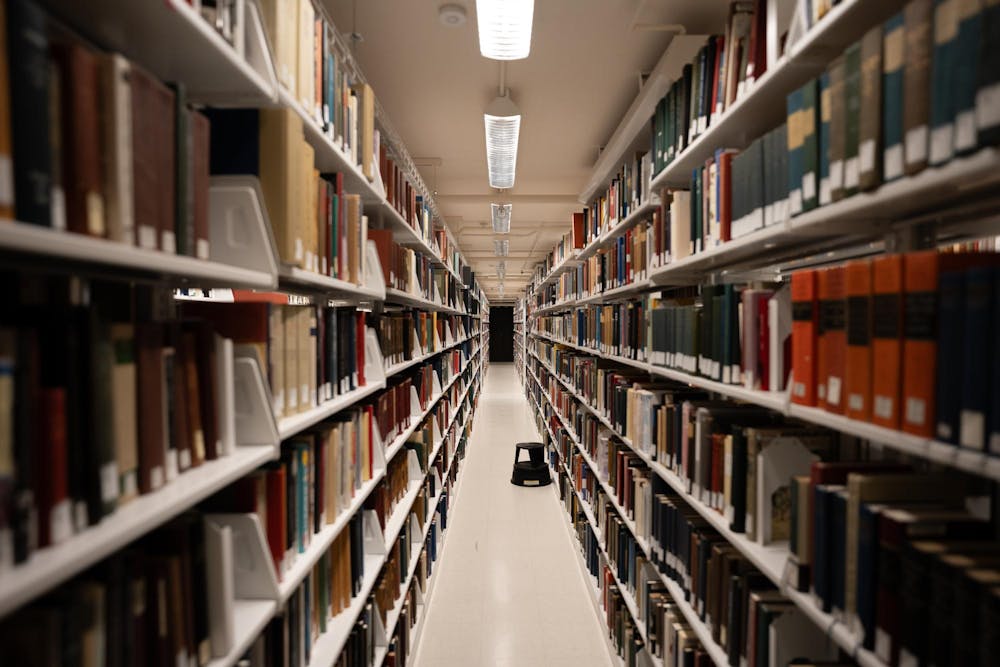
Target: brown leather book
870, 113
383, 243
81, 134
201, 138
175, 371
193, 401
838, 127
353, 231
145, 164
6, 145
152, 406
166, 159
917, 83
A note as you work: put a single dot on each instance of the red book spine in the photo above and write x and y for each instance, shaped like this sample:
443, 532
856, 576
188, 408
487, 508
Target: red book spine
833, 313
51, 473
276, 513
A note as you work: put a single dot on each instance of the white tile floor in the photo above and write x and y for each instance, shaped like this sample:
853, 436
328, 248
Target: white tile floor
510, 590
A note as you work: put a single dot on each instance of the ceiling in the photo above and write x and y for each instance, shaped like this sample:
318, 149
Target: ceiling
584, 70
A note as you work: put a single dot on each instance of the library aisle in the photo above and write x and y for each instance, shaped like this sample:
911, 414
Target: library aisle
510, 590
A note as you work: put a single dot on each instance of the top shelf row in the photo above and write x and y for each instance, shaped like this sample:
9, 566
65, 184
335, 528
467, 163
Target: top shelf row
228, 63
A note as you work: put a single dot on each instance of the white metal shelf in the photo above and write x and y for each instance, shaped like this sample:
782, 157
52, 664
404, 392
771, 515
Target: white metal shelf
53, 565
403, 365
292, 424
620, 292
103, 253
763, 106
151, 34
393, 295
293, 276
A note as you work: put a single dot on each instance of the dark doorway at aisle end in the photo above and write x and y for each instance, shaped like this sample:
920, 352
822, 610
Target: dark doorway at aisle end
502, 334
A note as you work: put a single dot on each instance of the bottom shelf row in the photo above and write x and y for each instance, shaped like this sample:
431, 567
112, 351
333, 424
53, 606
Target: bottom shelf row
212, 587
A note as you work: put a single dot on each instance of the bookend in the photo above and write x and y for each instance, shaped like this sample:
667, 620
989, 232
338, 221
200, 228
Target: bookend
253, 569
437, 341
435, 384
374, 362
416, 409
221, 587
257, 47
255, 423
416, 472
240, 229
374, 538
378, 452
416, 352
374, 279
437, 430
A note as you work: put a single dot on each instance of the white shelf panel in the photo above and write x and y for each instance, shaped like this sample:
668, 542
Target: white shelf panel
86, 250
304, 562
289, 426
53, 565
329, 645
150, 33
250, 619
293, 276
393, 295
565, 304
763, 107
618, 292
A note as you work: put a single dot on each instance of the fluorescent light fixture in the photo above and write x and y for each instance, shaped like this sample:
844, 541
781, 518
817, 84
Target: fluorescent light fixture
501, 248
503, 125
505, 28
501, 270
501, 217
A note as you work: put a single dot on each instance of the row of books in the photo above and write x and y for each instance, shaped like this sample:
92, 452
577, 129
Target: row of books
315, 71
318, 226
618, 328
167, 599
562, 251
627, 191
743, 462
413, 272
903, 341
403, 333
621, 263
724, 70
97, 145
312, 353
102, 403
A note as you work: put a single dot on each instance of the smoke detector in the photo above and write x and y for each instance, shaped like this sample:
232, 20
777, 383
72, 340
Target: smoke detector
452, 15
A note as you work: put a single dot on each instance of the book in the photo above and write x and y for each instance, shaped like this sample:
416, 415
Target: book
887, 334
893, 95
943, 78
987, 117
837, 71
872, 109
852, 118
805, 321
116, 147
918, 31
858, 367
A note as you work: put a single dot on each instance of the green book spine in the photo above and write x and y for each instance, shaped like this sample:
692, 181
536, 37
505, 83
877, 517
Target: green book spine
966, 73
670, 142
988, 76
893, 57
870, 120
943, 77
852, 117
810, 146
683, 107
838, 117
795, 150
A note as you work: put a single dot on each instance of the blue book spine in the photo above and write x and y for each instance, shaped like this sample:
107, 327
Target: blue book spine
950, 360
838, 538
979, 342
821, 555
893, 59
969, 16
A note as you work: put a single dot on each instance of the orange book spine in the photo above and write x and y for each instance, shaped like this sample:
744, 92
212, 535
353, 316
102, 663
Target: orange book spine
804, 325
887, 334
858, 372
920, 287
822, 353
834, 348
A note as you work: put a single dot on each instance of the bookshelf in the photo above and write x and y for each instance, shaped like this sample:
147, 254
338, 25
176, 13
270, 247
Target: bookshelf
613, 336
245, 269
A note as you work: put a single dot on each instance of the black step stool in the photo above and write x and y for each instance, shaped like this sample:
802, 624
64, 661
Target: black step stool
534, 471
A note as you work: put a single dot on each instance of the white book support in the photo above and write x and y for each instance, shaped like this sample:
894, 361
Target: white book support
253, 569
436, 295
378, 452
226, 383
437, 341
374, 279
413, 466
240, 229
374, 363
374, 539
436, 384
412, 284
416, 351
255, 423
221, 587
378, 631
415, 529
416, 410
257, 48
437, 429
